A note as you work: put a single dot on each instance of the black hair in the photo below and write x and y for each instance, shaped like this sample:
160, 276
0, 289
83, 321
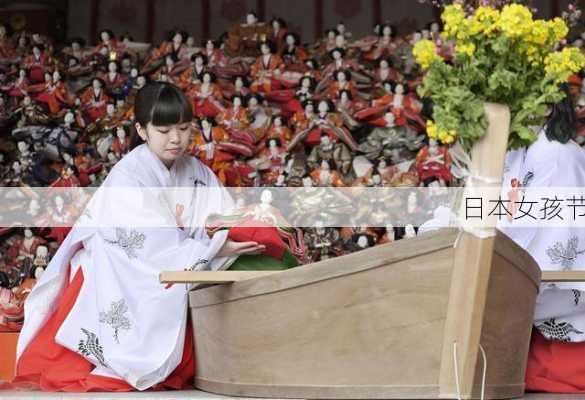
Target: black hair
386, 25
242, 99
339, 50
77, 40
315, 62
199, 55
205, 41
313, 82
256, 96
244, 79
562, 121
345, 72
39, 46
270, 45
212, 76
160, 103
127, 36
277, 140
295, 36
211, 121
307, 102
174, 32
252, 12
280, 21
388, 60
109, 31
335, 31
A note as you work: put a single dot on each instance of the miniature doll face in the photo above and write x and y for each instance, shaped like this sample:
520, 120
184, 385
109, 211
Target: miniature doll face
340, 41
389, 118
325, 140
417, 37
177, 39
341, 77
278, 122
362, 242
310, 64
265, 49
75, 46
376, 179
324, 165
384, 64
59, 202
209, 45
399, 89
239, 83
388, 87
2, 31
199, 61
77, 101
141, 81
290, 40
96, 84
72, 62
275, 25
112, 67
434, 27
69, 118
426, 33
26, 101
336, 55
309, 108
134, 72
323, 107
307, 182
237, 102
206, 78
22, 146
22, 73
190, 41
253, 102
272, 144
306, 83
48, 77
110, 109
21, 41
205, 124
104, 51
169, 61
341, 28
119, 103
251, 19
105, 36
27, 233
409, 231
16, 166
36, 38
266, 196
36, 51
168, 142
387, 32
56, 76
121, 133
67, 158
42, 251
382, 164
344, 97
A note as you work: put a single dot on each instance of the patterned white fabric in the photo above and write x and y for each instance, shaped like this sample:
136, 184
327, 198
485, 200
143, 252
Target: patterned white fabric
124, 321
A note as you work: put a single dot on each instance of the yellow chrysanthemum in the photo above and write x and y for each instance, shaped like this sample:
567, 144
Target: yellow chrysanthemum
425, 53
442, 136
540, 32
432, 129
515, 20
562, 64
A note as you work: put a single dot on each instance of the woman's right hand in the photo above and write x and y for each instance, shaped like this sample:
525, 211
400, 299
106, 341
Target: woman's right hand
231, 248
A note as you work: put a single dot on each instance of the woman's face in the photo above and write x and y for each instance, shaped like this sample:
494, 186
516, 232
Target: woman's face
168, 142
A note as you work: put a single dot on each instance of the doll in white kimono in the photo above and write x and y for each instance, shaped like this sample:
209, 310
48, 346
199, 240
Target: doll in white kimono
98, 319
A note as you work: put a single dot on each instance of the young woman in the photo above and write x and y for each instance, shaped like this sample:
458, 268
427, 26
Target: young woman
98, 319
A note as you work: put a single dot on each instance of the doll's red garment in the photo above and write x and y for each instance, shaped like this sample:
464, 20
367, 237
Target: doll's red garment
48, 366
256, 231
554, 366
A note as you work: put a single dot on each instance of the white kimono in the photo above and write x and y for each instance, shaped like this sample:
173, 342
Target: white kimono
560, 308
124, 321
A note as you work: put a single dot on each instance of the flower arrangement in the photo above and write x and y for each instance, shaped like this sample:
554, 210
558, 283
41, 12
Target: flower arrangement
501, 56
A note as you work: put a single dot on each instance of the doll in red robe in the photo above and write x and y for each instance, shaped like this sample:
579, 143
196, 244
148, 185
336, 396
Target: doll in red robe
94, 100
211, 144
37, 63
266, 69
434, 161
236, 121
174, 45
19, 87
206, 97
53, 93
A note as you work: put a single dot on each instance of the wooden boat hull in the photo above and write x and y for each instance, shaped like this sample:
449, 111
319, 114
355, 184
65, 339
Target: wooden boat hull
366, 325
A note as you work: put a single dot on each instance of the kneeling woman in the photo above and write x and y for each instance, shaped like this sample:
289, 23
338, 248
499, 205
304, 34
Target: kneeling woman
98, 319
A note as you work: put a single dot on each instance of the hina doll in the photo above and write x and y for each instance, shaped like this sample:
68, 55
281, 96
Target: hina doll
7, 50
207, 147
385, 73
121, 143
389, 235
279, 31
235, 120
59, 217
270, 160
94, 100
279, 130
104, 334
86, 164
266, 69
292, 54
339, 63
323, 243
53, 93
30, 113
113, 80
19, 87
348, 107
383, 47
243, 39
325, 121
324, 176
223, 66
108, 46
290, 100
37, 63
239, 87
76, 49
194, 74
323, 47
342, 83
174, 46
75, 69
206, 97
434, 161
336, 154
260, 117
171, 71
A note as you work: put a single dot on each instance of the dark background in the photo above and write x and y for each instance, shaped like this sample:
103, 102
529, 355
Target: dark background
149, 20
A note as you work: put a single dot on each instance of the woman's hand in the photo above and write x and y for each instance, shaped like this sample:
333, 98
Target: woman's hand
231, 248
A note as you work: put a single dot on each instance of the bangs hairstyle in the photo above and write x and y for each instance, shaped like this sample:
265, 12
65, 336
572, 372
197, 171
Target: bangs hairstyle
162, 103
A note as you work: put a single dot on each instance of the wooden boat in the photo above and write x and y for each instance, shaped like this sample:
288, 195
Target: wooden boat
427, 317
